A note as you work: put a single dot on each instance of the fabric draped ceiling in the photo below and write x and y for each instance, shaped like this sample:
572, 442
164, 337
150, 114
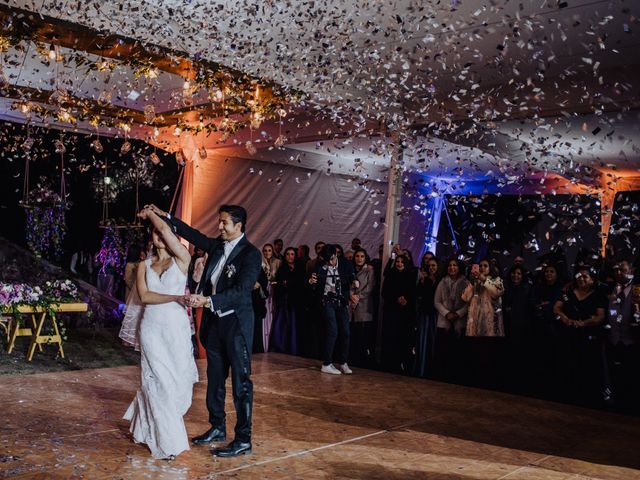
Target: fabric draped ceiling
299, 205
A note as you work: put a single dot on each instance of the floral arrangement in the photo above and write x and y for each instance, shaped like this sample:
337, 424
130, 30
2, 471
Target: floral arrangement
112, 252
15, 295
46, 222
52, 292
62, 290
18, 294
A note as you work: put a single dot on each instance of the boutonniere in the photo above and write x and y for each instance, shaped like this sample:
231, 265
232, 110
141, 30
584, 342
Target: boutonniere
230, 270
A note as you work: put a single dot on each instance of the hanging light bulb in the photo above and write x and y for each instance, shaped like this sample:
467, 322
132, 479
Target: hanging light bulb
25, 108
280, 141
154, 158
177, 131
107, 180
104, 66
256, 120
60, 148
52, 52
251, 148
202, 152
152, 73
97, 146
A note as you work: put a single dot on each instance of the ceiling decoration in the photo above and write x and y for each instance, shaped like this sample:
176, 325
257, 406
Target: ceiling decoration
60, 71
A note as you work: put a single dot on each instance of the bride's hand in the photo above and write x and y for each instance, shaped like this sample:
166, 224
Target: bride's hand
183, 300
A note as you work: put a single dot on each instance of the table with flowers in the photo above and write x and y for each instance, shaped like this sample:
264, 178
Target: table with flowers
38, 304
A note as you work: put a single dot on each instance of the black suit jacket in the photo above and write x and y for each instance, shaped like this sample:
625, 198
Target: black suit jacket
347, 276
238, 277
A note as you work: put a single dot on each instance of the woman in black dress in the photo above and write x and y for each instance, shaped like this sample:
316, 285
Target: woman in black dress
398, 294
517, 328
544, 327
581, 312
288, 301
428, 280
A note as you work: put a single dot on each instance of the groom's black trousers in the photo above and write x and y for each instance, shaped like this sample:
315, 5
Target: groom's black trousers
227, 348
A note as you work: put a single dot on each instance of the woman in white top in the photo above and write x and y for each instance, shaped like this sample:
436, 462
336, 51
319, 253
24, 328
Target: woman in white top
452, 318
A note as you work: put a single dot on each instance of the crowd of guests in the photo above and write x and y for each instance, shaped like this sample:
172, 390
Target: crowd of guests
543, 332
568, 336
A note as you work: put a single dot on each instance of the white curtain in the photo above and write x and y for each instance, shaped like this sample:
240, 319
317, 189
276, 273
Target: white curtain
299, 205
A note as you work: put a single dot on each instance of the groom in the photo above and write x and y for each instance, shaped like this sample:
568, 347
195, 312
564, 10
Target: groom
227, 328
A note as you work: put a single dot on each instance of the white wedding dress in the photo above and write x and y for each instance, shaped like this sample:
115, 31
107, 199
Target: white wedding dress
168, 369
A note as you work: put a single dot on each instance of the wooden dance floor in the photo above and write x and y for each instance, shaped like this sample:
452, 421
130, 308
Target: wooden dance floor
310, 425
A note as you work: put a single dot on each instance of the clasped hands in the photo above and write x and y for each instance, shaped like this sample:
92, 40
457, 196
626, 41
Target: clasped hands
451, 316
572, 323
144, 213
197, 301
193, 301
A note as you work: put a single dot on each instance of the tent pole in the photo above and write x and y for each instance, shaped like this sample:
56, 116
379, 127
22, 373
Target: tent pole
431, 233
391, 219
453, 233
394, 195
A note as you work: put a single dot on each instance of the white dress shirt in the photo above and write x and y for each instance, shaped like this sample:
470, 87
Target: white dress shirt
217, 272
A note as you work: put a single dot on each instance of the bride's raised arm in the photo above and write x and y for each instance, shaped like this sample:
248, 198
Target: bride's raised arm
182, 256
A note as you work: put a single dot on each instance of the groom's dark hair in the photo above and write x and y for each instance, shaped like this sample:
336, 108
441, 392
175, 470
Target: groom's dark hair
237, 214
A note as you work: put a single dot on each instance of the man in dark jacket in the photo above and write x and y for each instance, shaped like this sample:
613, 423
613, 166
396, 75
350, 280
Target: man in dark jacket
331, 282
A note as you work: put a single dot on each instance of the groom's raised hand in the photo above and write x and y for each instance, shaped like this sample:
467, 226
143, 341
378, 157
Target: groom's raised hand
156, 210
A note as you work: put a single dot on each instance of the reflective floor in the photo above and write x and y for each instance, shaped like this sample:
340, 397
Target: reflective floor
310, 425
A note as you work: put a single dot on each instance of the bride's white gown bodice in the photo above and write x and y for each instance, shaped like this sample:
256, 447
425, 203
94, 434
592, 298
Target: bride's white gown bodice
168, 369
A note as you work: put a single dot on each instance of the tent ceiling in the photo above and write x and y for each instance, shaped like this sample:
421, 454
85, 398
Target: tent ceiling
500, 89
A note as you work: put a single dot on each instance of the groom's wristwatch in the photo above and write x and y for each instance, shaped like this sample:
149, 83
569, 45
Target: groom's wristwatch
207, 303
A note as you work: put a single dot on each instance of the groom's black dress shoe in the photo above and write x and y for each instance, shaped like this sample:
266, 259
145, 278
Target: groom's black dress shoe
234, 449
214, 434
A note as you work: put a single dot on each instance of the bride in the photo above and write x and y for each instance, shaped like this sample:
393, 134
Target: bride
168, 369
